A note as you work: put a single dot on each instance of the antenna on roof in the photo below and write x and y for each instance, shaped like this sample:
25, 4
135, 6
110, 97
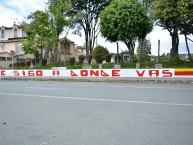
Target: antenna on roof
15, 20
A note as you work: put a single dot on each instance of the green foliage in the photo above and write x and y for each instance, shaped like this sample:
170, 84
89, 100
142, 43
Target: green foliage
107, 58
174, 15
135, 58
28, 45
125, 21
164, 59
72, 60
44, 62
39, 31
86, 14
119, 57
98, 58
107, 66
81, 58
100, 50
74, 66
58, 10
146, 56
185, 8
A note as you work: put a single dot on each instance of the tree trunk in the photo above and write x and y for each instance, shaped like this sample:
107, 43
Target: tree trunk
141, 51
131, 47
41, 56
87, 47
175, 44
56, 53
189, 55
132, 53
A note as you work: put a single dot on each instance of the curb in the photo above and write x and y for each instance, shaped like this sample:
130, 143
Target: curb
108, 80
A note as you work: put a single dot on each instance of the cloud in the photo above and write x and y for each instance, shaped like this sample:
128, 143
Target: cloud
16, 10
8, 16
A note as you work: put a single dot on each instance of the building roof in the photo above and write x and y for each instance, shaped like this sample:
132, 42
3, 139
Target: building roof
68, 40
18, 26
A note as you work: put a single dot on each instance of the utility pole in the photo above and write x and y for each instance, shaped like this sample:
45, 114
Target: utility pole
117, 53
158, 50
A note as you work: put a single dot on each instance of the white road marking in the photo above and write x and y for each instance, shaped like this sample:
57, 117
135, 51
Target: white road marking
44, 88
93, 99
140, 87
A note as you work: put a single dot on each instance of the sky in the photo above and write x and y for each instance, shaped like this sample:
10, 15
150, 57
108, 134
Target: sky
17, 10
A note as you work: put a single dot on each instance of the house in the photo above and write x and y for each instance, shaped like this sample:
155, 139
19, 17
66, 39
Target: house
81, 50
10, 39
69, 49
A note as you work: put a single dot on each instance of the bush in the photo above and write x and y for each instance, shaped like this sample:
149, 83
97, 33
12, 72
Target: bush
108, 66
74, 66
100, 50
107, 58
44, 62
72, 60
98, 58
81, 58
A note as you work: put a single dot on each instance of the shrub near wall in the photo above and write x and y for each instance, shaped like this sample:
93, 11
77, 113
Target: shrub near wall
98, 58
81, 58
72, 60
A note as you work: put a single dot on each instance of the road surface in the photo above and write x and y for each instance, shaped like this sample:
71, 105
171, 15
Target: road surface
67, 113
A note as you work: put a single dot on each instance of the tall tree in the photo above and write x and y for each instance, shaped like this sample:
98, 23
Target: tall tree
186, 25
167, 15
59, 20
39, 31
125, 21
86, 14
146, 56
147, 4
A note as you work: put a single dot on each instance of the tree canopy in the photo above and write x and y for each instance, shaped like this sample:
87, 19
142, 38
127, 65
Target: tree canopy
86, 14
125, 21
58, 11
39, 31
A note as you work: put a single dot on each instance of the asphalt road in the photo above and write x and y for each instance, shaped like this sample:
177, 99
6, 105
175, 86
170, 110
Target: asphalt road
61, 113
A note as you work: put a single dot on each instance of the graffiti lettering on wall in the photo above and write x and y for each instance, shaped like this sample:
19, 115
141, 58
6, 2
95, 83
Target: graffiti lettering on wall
139, 73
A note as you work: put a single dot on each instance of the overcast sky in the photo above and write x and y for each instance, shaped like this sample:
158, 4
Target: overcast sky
17, 10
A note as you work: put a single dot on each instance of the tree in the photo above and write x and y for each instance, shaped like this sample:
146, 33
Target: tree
186, 25
59, 21
100, 50
125, 21
146, 56
39, 32
147, 4
167, 15
99, 53
86, 14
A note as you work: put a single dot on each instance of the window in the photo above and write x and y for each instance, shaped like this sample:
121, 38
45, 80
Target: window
1, 46
9, 58
24, 34
2, 33
2, 58
18, 49
15, 32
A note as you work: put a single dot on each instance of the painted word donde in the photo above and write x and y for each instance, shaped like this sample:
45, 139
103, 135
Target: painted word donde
94, 73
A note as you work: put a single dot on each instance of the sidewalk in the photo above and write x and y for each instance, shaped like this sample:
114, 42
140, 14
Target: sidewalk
102, 79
